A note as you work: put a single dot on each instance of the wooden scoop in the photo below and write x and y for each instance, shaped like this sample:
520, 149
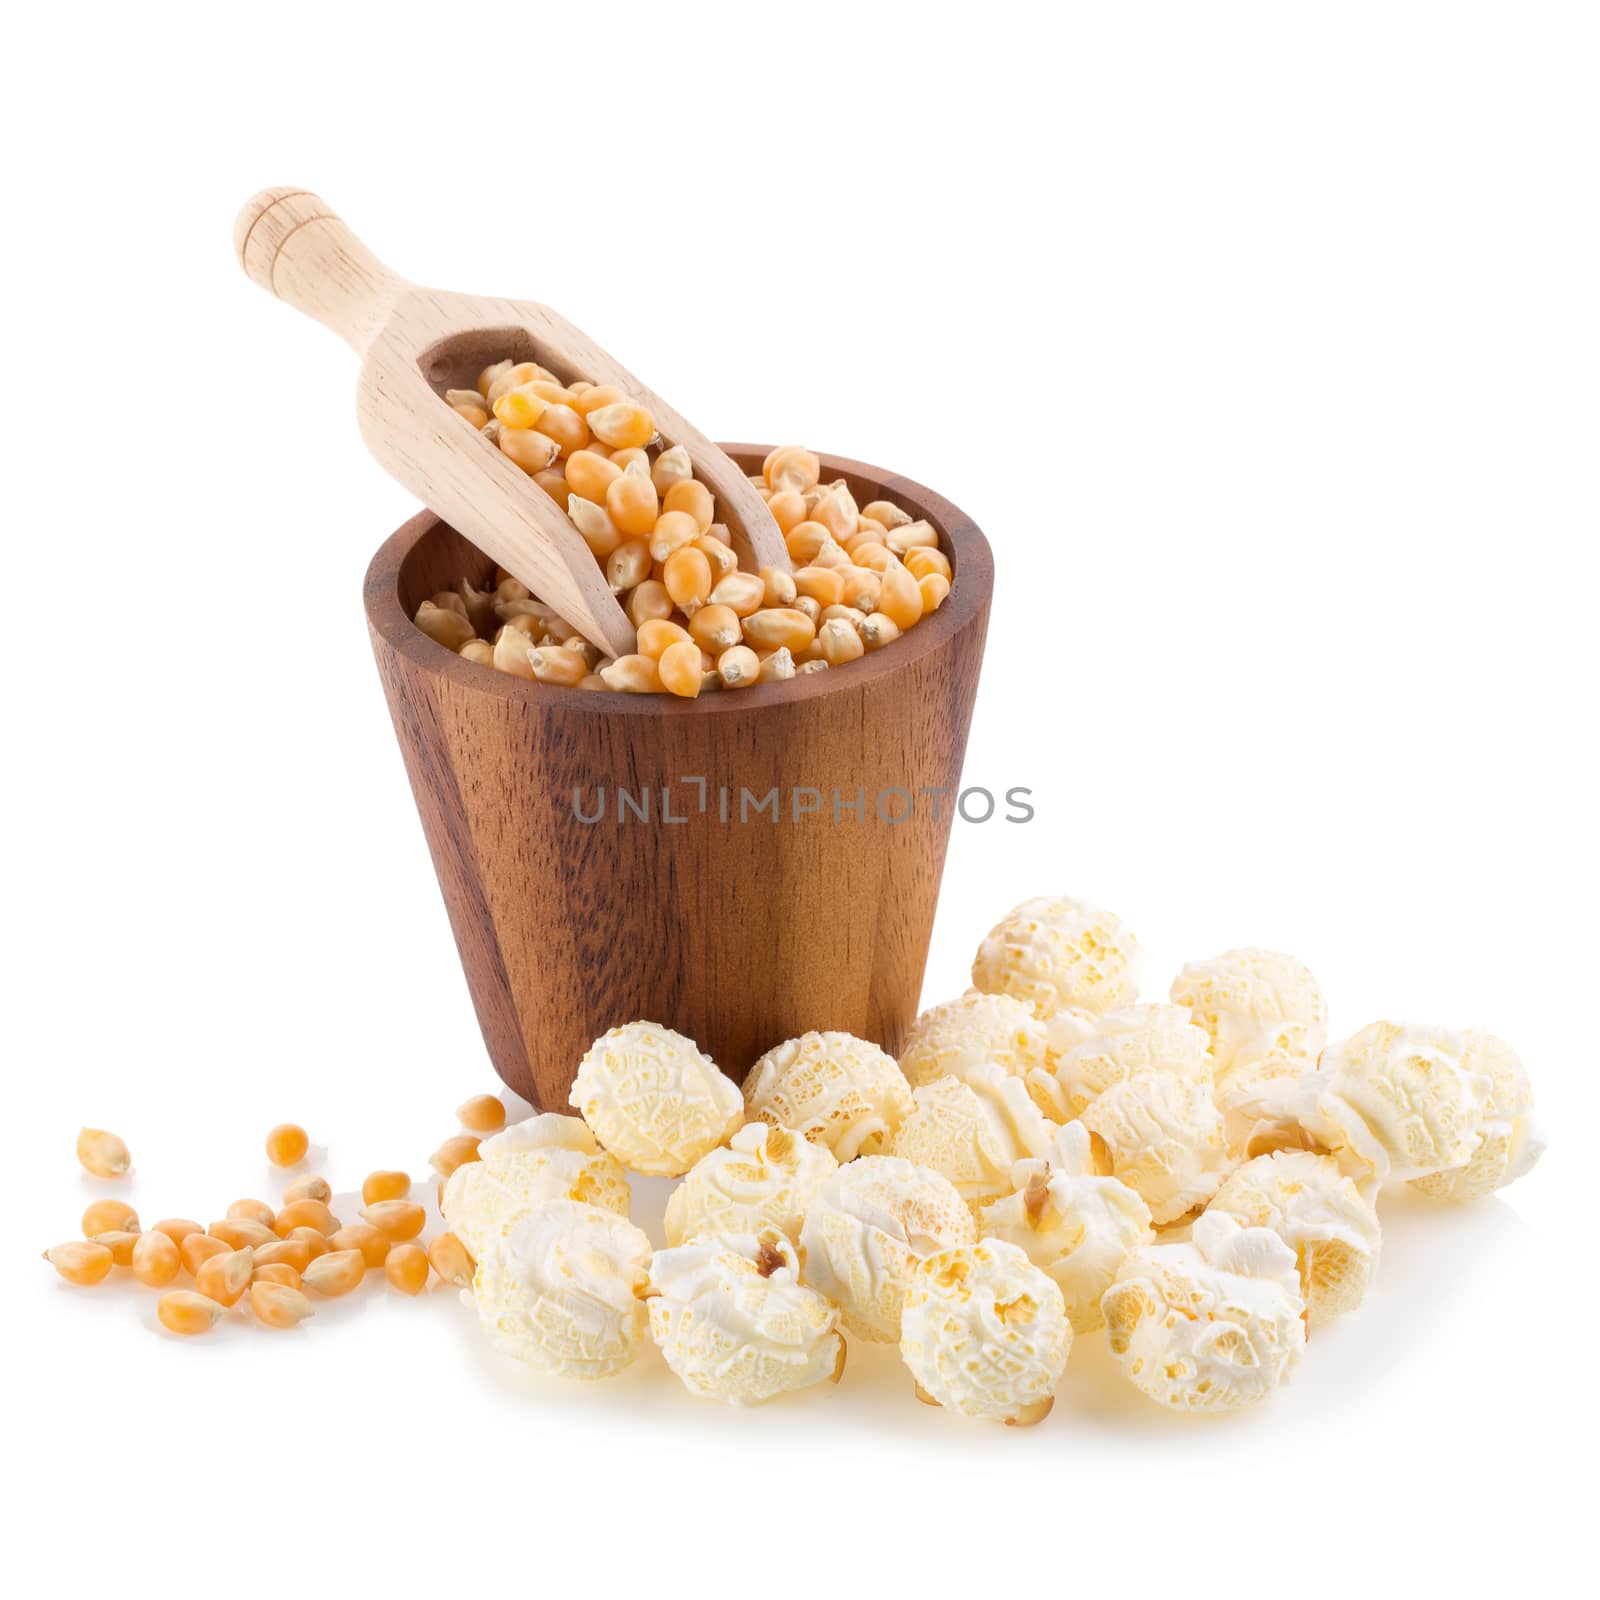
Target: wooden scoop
415, 344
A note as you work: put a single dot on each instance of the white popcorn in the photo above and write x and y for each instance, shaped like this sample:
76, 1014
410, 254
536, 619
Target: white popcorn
654, 1100
548, 1157
836, 1089
869, 1224
985, 1332
1162, 1136
735, 1323
1320, 1213
1212, 1325
1130, 1039
564, 1290
763, 1177
1074, 1226
1056, 954
973, 1129
947, 1039
1510, 1139
1263, 1010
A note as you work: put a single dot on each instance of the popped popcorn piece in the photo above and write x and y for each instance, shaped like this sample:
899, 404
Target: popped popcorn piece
564, 1290
654, 1100
1510, 1140
1074, 1226
736, 1324
548, 1157
1212, 1325
1128, 1040
947, 1039
973, 1129
1400, 1100
1320, 1213
1071, 1025
763, 1177
836, 1089
1264, 1011
985, 1332
1162, 1136
869, 1225
1052, 954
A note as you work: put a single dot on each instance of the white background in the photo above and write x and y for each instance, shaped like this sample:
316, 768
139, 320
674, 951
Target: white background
1263, 342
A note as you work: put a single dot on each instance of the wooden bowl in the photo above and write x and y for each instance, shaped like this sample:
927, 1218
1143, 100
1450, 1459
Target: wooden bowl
741, 932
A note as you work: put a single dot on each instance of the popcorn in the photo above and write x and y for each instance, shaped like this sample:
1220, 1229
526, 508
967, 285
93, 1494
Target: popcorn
1162, 1136
949, 1038
985, 1333
1317, 1210
654, 1100
869, 1225
1056, 954
735, 1323
1122, 1042
564, 1290
1263, 1010
836, 1089
1510, 1140
548, 1157
973, 1129
1074, 1226
764, 1177
1212, 1325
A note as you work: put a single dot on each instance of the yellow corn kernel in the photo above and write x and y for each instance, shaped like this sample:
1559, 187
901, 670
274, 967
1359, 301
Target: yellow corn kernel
120, 1243
886, 513
475, 415
82, 1261
832, 557
623, 425
935, 590
384, 1185
670, 467
520, 407
339, 1271
260, 1211
294, 1253
715, 628
490, 374
563, 424
305, 1214
860, 588
788, 509
177, 1229
777, 666
739, 667
407, 1268
878, 630
557, 665
836, 511
224, 1278
464, 397
672, 531
591, 475
451, 1260
310, 1187
866, 528
628, 565
456, 1151
792, 468
838, 642
686, 576
777, 587
925, 560
274, 1272
808, 608
443, 625
594, 522
692, 496
314, 1239
155, 1260
594, 681
511, 647
680, 670
478, 651
634, 461
872, 556
779, 627
279, 1305
183, 1311
804, 540
554, 483
102, 1154
635, 674
528, 449
656, 634
373, 1243
743, 593
199, 1248
912, 536
399, 1219
823, 584
649, 599
718, 552
900, 600
514, 377
286, 1144
238, 1233
106, 1216
605, 394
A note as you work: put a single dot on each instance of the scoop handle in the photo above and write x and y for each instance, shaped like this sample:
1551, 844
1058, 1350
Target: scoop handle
296, 246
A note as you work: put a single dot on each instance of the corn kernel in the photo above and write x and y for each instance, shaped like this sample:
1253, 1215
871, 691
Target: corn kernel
259, 1210
627, 565
295, 1253
715, 628
779, 627
605, 394
119, 1243
81, 1261
456, 1151
279, 1305
924, 560
106, 1216
935, 590
900, 599
872, 556
528, 449
742, 592
399, 1219
777, 666
804, 540
305, 1214
384, 1185
238, 1233
739, 667
520, 407
491, 373
372, 1243
198, 1248
314, 1240
155, 1260
407, 1268
671, 466
825, 586
693, 497
558, 665
680, 669
792, 468
286, 1144
686, 576
183, 1311
310, 1187
274, 1272
102, 1154
177, 1229
912, 536
594, 522
451, 1260
339, 1271
475, 415
656, 634
878, 630
225, 1277
717, 552
632, 504
622, 425
839, 642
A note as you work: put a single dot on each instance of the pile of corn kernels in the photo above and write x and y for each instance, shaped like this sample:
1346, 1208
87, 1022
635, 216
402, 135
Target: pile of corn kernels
863, 575
1049, 1160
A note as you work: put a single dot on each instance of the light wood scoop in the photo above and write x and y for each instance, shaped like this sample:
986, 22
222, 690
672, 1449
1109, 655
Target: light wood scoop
415, 344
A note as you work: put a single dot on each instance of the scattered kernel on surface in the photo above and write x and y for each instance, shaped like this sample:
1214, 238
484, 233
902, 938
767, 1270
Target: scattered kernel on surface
198, 1248
384, 1185
80, 1261
286, 1144
310, 1187
119, 1243
177, 1229
373, 1243
239, 1234
225, 1277
482, 1114
254, 1211
279, 1305
315, 1240
398, 1219
305, 1214
106, 1216
336, 1273
458, 1149
183, 1311
406, 1267
102, 1154
450, 1259
290, 1252
155, 1260
275, 1272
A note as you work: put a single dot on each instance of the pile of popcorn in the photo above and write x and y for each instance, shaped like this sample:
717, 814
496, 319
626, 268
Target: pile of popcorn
1048, 1158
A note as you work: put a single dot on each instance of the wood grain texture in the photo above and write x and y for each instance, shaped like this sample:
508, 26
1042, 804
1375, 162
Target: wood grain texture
415, 344
738, 934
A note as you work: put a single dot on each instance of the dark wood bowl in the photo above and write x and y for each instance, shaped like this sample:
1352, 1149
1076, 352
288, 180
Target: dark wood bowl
738, 933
